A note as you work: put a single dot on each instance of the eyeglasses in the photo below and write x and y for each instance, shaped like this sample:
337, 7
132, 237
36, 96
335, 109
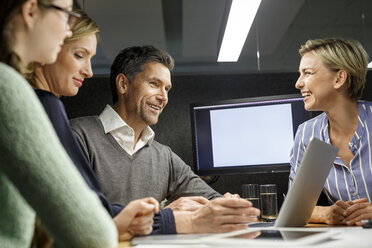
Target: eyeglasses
72, 16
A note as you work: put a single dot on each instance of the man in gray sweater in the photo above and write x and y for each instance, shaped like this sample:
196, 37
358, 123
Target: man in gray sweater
130, 164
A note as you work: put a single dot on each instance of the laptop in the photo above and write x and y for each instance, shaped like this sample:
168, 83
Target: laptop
306, 186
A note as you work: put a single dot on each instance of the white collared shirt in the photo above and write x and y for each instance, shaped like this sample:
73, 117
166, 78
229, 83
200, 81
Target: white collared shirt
124, 134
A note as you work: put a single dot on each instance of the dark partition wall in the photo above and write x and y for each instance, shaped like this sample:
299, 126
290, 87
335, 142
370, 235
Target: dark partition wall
173, 128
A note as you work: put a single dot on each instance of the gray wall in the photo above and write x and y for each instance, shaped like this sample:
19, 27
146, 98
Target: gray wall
173, 128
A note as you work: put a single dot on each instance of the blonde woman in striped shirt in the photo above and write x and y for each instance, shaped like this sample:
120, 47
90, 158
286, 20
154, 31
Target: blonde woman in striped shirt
332, 78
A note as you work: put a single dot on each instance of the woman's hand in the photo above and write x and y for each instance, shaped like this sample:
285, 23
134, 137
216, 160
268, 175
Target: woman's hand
335, 214
342, 212
136, 218
331, 215
358, 211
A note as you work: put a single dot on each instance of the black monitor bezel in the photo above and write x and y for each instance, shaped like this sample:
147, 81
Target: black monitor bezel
253, 169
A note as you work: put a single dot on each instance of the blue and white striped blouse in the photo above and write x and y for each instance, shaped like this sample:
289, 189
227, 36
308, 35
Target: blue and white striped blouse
343, 182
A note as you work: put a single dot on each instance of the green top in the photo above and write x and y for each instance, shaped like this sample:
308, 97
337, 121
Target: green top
37, 176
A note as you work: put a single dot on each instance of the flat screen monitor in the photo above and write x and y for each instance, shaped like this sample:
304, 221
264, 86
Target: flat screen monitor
249, 135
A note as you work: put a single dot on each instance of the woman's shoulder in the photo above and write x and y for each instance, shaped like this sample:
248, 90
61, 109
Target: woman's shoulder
7, 69
365, 112
16, 93
47, 97
9, 73
367, 105
316, 121
315, 127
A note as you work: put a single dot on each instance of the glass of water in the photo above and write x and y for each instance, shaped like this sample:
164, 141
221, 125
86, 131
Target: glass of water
251, 192
268, 199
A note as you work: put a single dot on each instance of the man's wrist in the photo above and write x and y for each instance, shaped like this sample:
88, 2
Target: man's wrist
183, 220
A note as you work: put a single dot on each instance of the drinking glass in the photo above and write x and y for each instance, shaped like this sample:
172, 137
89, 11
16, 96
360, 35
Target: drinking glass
251, 193
268, 199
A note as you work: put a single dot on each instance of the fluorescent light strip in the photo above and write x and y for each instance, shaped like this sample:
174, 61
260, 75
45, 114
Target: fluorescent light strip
241, 16
370, 65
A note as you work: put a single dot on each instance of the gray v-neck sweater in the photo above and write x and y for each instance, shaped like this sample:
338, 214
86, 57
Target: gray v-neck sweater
154, 170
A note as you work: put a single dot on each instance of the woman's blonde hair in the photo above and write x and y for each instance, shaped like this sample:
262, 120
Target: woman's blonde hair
342, 54
84, 26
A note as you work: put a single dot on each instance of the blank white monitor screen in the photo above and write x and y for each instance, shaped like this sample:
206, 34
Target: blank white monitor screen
251, 129
245, 135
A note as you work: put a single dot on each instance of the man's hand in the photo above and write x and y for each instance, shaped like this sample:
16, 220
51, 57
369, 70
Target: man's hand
136, 218
190, 203
219, 215
359, 210
229, 195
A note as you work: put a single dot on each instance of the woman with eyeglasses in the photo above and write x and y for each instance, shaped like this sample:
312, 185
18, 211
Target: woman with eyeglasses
64, 78
36, 175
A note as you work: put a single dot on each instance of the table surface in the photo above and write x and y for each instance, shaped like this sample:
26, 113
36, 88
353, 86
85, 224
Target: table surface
124, 244
313, 225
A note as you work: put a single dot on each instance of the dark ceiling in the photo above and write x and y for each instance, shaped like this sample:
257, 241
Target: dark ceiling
191, 29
